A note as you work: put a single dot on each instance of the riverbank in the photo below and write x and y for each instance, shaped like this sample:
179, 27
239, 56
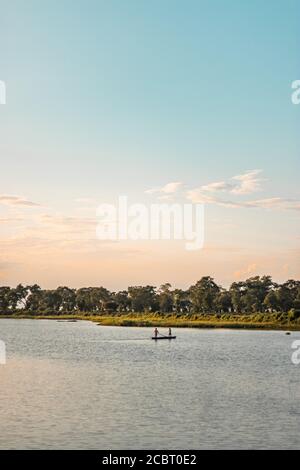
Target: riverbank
252, 321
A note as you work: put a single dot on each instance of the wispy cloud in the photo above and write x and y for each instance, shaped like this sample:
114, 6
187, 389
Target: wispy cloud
240, 185
275, 203
18, 201
198, 196
245, 183
169, 188
249, 269
217, 186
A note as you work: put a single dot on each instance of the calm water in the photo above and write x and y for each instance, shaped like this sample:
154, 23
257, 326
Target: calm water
79, 385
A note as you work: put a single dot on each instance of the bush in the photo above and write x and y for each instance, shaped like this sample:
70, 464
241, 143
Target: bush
294, 314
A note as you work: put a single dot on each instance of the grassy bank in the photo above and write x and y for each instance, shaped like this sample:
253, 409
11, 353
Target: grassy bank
252, 321
200, 321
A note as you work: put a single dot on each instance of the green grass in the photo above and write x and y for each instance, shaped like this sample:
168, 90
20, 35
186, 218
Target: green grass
251, 321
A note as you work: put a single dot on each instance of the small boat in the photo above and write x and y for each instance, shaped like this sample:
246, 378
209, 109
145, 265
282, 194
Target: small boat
163, 337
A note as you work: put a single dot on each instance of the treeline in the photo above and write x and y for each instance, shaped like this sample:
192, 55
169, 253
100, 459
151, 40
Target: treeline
256, 294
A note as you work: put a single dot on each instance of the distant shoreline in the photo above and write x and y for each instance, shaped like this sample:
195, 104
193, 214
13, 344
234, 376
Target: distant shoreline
145, 320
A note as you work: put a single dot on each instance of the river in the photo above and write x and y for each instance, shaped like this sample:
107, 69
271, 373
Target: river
82, 386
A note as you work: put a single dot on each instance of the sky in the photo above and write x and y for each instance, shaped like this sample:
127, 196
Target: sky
159, 101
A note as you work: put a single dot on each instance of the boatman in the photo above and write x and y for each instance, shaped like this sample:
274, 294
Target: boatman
170, 332
155, 332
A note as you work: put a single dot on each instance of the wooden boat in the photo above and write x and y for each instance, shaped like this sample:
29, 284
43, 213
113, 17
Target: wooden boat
163, 337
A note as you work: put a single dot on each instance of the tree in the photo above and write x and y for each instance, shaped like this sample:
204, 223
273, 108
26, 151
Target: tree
122, 300
236, 292
256, 290
165, 298
51, 300
4, 299
251, 303
248, 296
203, 294
256, 294
83, 299
67, 298
143, 298
17, 297
271, 301
181, 301
33, 299
223, 302
284, 298
110, 306
92, 299
99, 296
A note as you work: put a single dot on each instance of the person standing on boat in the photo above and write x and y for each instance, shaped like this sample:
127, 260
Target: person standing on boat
155, 332
170, 332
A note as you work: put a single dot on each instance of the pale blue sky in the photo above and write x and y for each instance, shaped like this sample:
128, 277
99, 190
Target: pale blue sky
109, 97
